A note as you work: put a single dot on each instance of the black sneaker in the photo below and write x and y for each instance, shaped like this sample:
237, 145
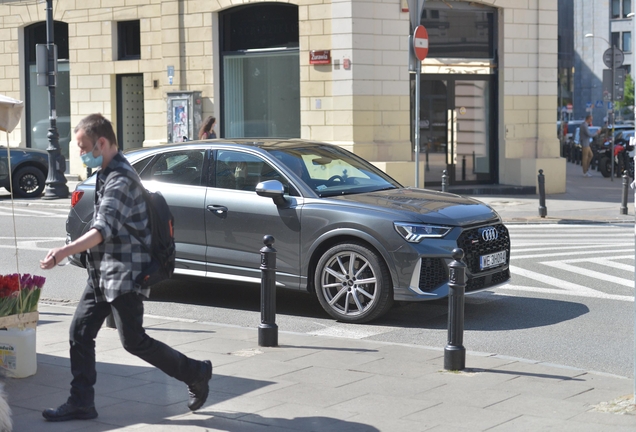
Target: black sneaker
69, 412
199, 389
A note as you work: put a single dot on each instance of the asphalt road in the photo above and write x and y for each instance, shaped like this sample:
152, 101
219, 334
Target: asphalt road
556, 309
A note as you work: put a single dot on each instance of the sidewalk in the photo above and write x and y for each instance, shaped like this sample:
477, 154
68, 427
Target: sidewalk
315, 383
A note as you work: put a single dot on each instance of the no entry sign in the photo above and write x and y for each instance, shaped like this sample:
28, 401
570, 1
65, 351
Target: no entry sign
420, 42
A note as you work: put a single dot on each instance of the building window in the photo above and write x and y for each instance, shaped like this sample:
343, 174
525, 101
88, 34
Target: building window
627, 41
128, 40
621, 8
464, 31
616, 8
616, 39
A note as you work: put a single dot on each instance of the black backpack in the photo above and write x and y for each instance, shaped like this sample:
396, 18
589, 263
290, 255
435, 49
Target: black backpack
162, 249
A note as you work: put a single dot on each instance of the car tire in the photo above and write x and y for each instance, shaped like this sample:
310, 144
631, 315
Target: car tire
605, 167
28, 182
339, 291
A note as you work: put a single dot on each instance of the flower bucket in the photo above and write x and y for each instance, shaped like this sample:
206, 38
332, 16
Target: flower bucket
18, 357
19, 296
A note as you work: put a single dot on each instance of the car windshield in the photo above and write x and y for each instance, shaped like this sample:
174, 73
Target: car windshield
332, 171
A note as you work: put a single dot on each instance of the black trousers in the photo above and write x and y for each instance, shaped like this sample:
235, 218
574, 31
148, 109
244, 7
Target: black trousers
128, 311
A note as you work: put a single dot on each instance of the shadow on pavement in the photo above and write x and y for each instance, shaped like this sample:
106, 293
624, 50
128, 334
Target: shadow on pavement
134, 396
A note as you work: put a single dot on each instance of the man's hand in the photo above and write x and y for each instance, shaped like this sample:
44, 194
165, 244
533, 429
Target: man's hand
89, 240
52, 258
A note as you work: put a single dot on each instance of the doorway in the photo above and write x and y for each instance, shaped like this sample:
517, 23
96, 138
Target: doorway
458, 129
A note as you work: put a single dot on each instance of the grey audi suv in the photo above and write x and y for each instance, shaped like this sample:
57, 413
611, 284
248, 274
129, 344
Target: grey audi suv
343, 229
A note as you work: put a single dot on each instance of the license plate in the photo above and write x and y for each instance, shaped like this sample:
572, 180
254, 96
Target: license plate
492, 260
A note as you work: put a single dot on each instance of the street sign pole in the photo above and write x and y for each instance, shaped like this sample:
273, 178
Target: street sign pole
415, 14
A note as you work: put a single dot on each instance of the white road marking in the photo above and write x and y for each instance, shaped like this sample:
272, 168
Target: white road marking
351, 332
33, 243
566, 287
520, 248
598, 294
590, 273
588, 252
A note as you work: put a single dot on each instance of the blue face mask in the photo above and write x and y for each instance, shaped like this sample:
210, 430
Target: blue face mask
90, 160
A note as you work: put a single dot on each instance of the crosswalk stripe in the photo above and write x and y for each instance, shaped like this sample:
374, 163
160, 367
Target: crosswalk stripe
567, 235
596, 294
542, 227
566, 287
570, 253
522, 248
590, 273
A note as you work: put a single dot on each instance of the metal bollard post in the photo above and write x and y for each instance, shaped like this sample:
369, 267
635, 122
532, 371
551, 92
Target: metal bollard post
543, 211
110, 321
454, 352
268, 330
464, 168
624, 198
444, 180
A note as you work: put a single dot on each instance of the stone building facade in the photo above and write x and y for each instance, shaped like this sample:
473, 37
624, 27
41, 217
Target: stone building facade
248, 63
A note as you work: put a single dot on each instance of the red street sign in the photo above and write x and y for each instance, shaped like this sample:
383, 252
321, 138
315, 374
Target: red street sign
420, 42
320, 57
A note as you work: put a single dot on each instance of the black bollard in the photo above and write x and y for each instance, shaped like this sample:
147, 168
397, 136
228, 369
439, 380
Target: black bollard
543, 211
454, 352
624, 198
268, 330
464, 168
444, 180
110, 321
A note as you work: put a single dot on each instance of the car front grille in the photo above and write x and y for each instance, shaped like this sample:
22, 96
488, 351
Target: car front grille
434, 271
432, 274
474, 246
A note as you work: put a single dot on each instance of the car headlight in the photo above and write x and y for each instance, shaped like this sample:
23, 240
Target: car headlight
414, 233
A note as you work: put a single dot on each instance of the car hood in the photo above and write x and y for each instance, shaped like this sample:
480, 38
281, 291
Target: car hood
427, 205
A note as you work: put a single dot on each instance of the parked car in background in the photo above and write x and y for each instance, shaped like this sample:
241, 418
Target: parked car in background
343, 229
29, 168
40, 139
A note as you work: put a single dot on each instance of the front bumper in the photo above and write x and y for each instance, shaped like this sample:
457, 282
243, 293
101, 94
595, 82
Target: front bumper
428, 279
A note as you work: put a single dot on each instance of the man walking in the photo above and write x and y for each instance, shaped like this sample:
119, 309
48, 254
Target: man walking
115, 259
586, 152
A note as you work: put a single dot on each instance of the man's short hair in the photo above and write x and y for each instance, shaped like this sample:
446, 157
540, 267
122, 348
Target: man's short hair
589, 116
96, 126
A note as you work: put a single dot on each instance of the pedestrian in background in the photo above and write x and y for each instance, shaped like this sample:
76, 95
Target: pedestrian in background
115, 258
207, 128
585, 137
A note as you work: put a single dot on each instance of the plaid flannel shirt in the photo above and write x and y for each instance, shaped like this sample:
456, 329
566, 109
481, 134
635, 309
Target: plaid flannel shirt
121, 218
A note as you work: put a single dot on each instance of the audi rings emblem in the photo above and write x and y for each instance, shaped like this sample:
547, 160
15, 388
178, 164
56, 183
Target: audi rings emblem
489, 234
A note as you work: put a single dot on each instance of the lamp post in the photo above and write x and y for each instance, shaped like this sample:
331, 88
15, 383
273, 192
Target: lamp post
610, 114
56, 181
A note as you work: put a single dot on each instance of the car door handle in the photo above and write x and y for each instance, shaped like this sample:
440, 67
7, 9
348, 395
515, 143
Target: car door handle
218, 210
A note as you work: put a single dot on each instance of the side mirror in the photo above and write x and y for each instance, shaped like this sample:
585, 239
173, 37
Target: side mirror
272, 189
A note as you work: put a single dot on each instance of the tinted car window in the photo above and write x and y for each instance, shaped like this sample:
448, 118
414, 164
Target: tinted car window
178, 167
242, 171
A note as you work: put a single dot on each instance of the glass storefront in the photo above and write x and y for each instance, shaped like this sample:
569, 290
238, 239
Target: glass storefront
458, 94
260, 72
37, 97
